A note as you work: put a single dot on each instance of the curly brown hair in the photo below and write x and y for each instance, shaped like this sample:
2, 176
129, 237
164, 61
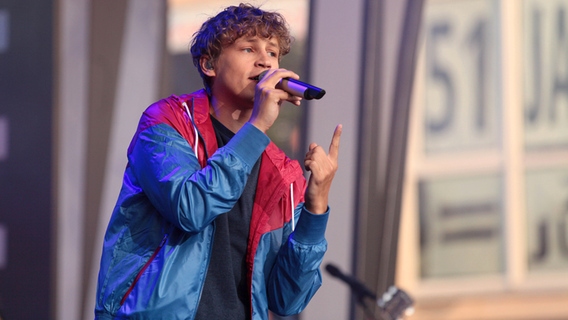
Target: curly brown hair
233, 23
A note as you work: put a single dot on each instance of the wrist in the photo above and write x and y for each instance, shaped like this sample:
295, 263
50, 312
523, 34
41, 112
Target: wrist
317, 207
259, 125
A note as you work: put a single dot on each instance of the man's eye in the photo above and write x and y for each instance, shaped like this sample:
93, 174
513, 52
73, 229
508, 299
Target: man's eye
247, 50
273, 54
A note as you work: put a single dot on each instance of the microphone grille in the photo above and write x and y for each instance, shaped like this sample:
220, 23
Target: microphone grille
262, 74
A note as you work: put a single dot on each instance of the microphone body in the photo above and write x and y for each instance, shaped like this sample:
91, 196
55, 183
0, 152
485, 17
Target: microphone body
356, 286
298, 88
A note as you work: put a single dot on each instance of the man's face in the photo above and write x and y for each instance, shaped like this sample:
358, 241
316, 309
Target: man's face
238, 66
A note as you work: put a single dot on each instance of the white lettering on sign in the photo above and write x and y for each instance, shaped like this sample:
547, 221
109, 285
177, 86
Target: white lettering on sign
3, 247
4, 31
3, 138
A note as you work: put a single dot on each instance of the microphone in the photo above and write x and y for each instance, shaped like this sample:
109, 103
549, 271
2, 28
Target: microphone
298, 88
356, 286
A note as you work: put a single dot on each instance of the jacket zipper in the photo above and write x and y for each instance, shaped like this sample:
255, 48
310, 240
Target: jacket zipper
146, 265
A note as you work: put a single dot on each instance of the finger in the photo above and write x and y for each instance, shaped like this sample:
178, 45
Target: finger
273, 76
334, 145
308, 164
294, 100
313, 145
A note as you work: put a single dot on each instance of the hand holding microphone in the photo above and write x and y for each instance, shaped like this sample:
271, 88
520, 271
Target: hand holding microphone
267, 101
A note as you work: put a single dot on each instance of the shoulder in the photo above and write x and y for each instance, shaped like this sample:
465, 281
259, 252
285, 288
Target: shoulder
170, 111
162, 110
173, 110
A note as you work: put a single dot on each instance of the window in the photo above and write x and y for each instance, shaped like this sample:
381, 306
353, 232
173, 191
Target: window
486, 194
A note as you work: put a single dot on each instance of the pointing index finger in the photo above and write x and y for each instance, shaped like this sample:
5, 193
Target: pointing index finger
334, 146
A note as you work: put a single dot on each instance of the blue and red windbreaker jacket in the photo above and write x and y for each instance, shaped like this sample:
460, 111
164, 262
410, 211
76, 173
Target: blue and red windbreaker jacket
157, 245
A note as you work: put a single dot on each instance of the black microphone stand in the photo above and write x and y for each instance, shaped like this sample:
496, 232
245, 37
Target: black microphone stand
360, 299
358, 290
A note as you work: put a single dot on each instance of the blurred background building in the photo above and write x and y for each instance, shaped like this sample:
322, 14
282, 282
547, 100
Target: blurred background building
453, 179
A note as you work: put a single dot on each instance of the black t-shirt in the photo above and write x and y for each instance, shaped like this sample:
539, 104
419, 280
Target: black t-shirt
226, 294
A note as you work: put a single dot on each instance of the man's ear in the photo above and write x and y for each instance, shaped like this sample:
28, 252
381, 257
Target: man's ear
207, 66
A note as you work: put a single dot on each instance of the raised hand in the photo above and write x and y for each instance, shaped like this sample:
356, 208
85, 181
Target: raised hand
322, 167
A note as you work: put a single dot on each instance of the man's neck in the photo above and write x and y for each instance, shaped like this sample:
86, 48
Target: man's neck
234, 118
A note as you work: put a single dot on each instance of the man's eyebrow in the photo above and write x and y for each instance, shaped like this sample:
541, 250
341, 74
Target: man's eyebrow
250, 39
271, 42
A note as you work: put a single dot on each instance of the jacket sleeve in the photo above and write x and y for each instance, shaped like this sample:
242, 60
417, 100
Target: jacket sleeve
296, 275
187, 195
